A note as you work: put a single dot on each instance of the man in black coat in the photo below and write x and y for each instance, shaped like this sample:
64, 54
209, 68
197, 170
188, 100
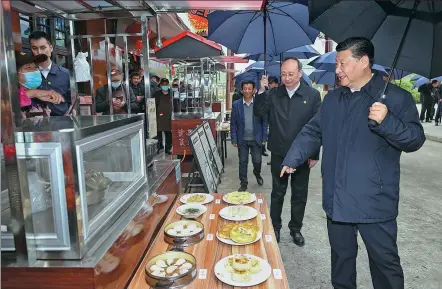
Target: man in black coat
288, 108
427, 101
360, 164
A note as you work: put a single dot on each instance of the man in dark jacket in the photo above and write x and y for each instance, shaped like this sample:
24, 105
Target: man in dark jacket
360, 164
248, 133
119, 99
288, 108
427, 101
163, 102
138, 88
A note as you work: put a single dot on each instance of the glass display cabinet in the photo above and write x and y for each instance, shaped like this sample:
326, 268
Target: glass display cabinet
83, 173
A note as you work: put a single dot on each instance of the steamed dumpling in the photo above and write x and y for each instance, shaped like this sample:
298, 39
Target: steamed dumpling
159, 273
171, 269
197, 230
156, 268
183, 271
180, 261
161, 263
179, 228
172, 232
170, 261
185, 232
186, 266
191, 227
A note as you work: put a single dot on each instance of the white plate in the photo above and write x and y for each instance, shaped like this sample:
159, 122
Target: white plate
252, 199
181, 210
258, 278
208, 199
231, 242
228, 213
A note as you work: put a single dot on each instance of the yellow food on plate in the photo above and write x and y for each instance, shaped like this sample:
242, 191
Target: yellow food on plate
224, 231
239, 197
241, 263
244, 233
256, 266
198, 198
241, 276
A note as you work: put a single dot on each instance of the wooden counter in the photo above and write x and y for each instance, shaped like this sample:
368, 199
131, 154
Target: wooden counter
208, 253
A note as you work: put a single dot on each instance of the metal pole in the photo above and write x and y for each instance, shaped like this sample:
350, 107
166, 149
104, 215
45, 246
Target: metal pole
91, 82
202, 84
72, 77
109, 98
10, 119
185, 86
126, 75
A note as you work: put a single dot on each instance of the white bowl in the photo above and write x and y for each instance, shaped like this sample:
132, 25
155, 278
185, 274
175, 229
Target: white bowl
181, 210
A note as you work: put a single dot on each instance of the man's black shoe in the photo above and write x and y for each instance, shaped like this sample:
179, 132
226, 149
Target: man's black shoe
259, 179
298, 239
436, 124
277, 235
243, 188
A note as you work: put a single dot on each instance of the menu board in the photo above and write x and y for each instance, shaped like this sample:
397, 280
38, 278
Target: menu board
208, 152
213, 148
202, 162
151, 118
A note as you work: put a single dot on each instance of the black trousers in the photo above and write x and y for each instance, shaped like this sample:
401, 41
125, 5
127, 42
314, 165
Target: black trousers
380, 241
426, 112
438, 115
243, 154
299, 184
168, 140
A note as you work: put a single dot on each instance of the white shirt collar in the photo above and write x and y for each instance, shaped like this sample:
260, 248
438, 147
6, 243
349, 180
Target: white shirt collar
292, 92
353, 90
45, 71
244, 102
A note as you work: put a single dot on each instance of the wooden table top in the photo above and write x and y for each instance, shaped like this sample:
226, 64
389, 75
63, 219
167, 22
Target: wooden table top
209, 252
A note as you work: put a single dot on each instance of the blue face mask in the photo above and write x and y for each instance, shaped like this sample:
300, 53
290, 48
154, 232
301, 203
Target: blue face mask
164, 88
33, 79
115, 84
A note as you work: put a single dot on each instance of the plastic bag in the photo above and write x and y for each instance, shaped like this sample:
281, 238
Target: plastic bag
82, 67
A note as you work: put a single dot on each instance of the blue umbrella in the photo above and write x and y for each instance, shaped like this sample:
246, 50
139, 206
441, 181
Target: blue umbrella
398, 73
323, 77
303, 52
278, 27
421, 81
327, 62
416, 77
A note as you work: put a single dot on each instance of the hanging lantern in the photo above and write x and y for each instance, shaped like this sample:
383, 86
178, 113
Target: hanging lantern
139, 45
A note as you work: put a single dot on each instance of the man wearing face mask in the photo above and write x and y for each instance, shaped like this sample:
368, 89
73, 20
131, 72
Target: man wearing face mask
29, 79
55, 78
163, 102
119, 99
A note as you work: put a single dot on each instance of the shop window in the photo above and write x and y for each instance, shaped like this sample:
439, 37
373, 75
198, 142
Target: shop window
25, 26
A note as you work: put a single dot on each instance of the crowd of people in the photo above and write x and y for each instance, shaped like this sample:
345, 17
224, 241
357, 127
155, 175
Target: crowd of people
431, 100
362, 139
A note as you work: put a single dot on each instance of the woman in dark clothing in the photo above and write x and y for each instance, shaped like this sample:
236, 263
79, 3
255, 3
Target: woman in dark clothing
163, 102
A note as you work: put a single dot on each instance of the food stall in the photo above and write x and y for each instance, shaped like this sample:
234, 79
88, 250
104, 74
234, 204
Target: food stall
81, 208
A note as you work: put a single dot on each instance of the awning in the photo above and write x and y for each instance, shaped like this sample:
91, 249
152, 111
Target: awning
230, 59
188, 45
184, 6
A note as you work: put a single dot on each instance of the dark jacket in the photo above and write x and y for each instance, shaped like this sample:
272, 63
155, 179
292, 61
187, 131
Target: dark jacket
58, 80
237, 124
101, 104
360, 164
137, 89
425, 94
287, 116
163, 103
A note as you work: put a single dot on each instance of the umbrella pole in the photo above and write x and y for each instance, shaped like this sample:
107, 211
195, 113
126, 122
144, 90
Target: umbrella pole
396, 57
265, 40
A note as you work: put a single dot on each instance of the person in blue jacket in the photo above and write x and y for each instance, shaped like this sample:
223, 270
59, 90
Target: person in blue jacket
248, 133
360, 164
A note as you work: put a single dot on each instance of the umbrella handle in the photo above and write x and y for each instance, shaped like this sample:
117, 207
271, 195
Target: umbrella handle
372, 123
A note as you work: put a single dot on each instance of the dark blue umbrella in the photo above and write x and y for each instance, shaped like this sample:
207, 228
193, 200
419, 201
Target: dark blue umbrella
421, 81
303, 52
323, 77
398, 73
278, 27
327, 62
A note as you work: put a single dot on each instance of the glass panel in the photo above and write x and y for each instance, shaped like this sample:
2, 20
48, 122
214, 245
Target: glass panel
24, 16
25, 28
40, 192
109, 170
59, 23
60, 38
5, 215
44, 21
43, 28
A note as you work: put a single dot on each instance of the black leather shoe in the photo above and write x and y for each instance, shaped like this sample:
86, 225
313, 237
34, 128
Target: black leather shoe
277, 235
259, 179
298, 239
243, 188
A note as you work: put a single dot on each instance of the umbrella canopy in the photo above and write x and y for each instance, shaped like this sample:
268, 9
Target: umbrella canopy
303, 52
323, 77
415, 77
385, 23
421, 81
327, 62
397, 73
278, 27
